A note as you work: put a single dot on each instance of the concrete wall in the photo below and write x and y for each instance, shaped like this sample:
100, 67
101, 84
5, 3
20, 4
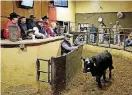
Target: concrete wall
90, 11
120, 53
67, 14
108, 6
109, 17
19, 67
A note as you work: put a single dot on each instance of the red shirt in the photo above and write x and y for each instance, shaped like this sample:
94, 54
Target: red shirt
6, 30
49, 32
46, 24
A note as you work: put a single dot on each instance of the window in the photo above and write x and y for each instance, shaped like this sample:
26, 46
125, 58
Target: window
83, 27
61, 3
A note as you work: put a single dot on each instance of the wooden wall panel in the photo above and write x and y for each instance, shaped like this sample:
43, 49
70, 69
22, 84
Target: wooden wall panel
21, 11
44, 10
37, 9
7, 7
3, 22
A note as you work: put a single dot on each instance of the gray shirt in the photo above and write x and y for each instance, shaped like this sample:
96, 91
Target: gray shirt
69, 48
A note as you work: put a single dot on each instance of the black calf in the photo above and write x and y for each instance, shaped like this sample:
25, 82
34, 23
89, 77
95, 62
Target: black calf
98, 64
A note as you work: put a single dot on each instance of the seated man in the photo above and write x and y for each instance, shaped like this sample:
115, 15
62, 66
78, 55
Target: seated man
13, 21
42, 29
26, 34
33, 26
128, 41
66, 47
79, 40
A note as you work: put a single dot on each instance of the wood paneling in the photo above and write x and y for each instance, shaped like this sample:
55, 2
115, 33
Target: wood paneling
7, 7
21, 11
44, 10
37, 9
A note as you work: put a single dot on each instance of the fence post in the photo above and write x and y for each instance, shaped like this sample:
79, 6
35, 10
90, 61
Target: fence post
49, 71
87, 35
109, 37
97, 38
124, 41
38, 68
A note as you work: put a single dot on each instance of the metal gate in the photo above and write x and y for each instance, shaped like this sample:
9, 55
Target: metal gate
39, 71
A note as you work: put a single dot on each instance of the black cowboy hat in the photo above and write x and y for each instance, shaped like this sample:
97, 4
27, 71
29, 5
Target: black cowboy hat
45, 17
13, 15
32, 16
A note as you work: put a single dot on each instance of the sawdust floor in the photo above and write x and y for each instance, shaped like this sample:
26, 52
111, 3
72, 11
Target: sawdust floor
121, 83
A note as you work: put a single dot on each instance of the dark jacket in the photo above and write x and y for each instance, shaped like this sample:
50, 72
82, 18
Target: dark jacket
63, 50
31, 24
42, 30
23, 27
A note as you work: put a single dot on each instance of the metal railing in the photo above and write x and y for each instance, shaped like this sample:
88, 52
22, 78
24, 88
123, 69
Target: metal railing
107, 38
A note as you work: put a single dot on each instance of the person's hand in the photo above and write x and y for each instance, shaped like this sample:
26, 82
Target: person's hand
76, 47
30, 30
20, 39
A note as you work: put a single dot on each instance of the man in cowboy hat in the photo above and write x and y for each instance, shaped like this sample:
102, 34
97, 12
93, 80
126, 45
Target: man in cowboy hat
45, 18
128, 41
66, 46
41, 29
46, 21
13, 21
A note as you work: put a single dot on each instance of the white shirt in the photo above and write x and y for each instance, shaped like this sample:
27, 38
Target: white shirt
116, 28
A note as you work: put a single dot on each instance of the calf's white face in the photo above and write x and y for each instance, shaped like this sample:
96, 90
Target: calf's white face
86, 64
87, 60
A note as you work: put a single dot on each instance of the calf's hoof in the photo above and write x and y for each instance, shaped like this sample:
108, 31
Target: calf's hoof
84, 71
106, 81
100, 86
